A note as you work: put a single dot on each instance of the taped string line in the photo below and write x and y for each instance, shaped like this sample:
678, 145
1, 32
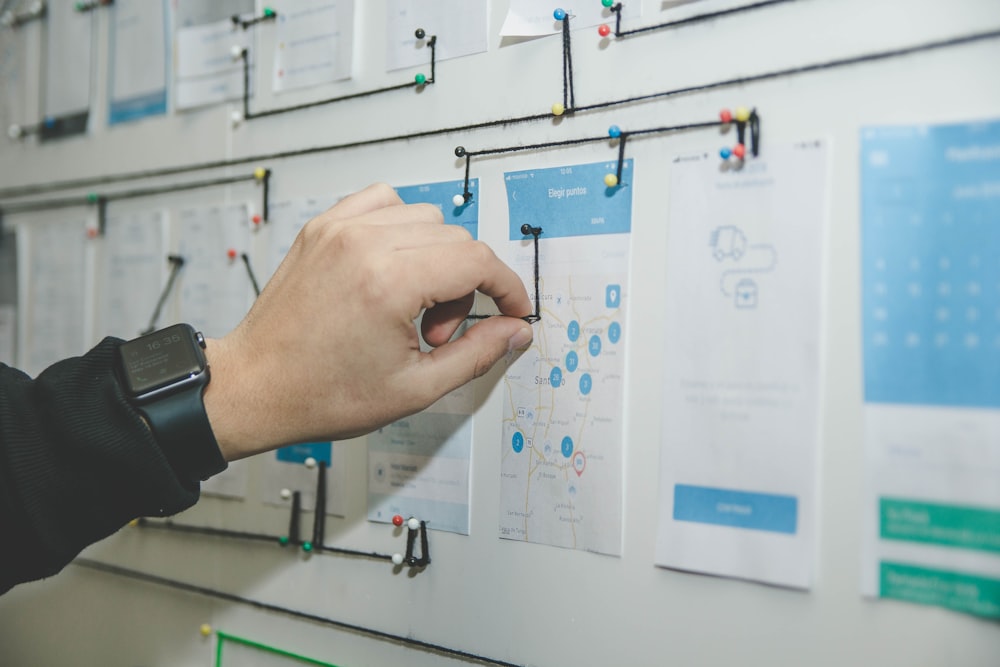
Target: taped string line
266, 606
737, 81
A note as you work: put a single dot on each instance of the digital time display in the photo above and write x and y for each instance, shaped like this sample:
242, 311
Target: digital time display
161, 358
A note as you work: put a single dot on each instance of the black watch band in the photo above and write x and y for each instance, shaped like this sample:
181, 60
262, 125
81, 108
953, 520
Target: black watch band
182, 429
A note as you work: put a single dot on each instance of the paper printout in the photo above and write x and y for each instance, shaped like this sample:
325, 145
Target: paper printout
419, 466
561, 444
67, 70
8, 333
530, 18
13, 77
131, 276
287, 220
743, 304
138, 60
931, 316
460, 27
313, 42
54, 293
207, 73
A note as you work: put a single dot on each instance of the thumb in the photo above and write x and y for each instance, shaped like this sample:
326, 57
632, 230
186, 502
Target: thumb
475, 352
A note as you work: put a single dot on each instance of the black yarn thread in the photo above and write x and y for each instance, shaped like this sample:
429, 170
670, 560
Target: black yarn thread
250, 115
319, 515
621, 157
569, 98
52, 186
537, 315
293, 521
246, 23
253, 279
85, 200
257, 537
176, 262
698, 18
266, 606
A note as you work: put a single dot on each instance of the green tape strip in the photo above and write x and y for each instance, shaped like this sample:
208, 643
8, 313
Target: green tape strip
953, 590
224, 637
956, 526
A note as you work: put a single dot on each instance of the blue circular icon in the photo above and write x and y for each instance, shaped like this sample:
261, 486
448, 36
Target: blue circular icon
573, 330
517, 442
555, 377
586, 384
614, 332
595, 345
567, 446
572, 361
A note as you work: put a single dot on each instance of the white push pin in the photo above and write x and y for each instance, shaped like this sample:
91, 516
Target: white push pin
15, 131
310, 463
458, 200
397, 559
236, 51
286, 494
236, 118
412, 524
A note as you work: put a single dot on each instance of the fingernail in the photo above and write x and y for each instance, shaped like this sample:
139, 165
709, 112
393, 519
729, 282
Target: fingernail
520, 339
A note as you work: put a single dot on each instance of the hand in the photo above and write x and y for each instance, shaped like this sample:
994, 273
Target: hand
330, 350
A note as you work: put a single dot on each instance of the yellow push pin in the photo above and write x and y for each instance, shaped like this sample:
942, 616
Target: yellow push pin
742, 114
610, 180
205, 630
259, 173
558, 109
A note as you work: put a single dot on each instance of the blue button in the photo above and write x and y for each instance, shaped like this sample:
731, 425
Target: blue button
739, 509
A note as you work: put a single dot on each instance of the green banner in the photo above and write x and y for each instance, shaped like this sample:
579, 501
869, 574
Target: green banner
945, 525
953, 590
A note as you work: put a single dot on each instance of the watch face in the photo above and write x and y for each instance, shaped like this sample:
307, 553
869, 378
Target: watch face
161, 358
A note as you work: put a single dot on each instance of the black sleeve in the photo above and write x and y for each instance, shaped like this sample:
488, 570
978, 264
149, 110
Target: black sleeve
76, 464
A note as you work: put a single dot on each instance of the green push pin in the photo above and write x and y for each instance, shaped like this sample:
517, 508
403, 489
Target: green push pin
81, 6
283, 540
607, 3
268, 12
93, 197
420, 79
307, 546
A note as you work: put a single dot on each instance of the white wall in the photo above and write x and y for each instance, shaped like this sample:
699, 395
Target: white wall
517, 602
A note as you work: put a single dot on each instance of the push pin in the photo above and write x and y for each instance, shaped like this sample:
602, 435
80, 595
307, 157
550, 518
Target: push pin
610, 180
558, 109
236, 118
307, 546
283, 540
459, 151
607, 3
397, 559
559, 14
231, 254
93, 197
286, 494
420, 79
412, 523
205, 630
256, 219
419, 33
461, 199
92, 232
15, 132
726, 116
310, 462
742, 114
260, 173
604, 30
397, 520
236, 51
614, 132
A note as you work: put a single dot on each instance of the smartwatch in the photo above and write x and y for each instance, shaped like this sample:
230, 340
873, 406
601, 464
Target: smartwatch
164, 375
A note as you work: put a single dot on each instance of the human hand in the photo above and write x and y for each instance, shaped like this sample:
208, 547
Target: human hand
330, 350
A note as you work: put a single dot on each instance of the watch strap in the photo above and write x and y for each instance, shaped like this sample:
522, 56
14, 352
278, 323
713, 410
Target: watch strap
184, 433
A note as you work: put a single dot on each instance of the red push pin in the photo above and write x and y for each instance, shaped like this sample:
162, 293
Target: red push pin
91, 232
739, 151
604, 30
397, 520
726, 116
231, 253
256, 219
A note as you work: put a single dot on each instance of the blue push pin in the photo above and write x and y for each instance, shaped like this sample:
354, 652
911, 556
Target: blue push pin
614, 132
559, 14
725, 153
50, 122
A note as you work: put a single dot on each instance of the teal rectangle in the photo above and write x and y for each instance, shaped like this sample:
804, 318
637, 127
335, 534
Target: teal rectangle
956, 526
968, 593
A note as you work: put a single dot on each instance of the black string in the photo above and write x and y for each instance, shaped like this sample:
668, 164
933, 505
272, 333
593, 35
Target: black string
176, 262
266, 606
248, 115
253, 279
691, 19
268, 15
739, 81
319, 515
293, 522
537, 315
621, 157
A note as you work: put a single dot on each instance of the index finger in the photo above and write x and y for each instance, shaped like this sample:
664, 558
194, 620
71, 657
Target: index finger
453, 271
372, 198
